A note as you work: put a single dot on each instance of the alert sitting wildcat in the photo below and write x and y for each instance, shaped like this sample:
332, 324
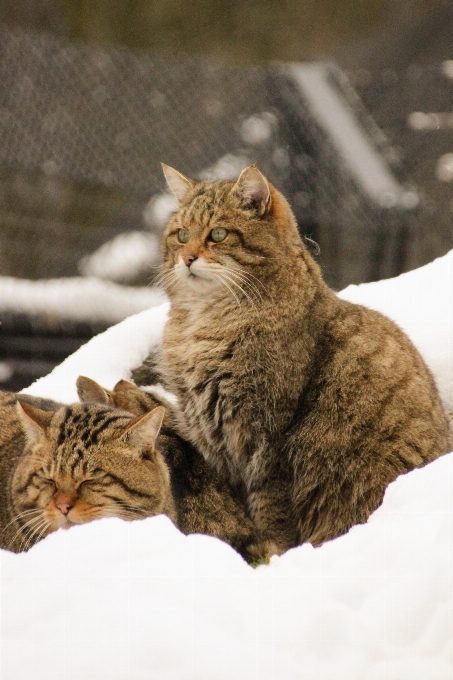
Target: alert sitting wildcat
75, 464
310, 405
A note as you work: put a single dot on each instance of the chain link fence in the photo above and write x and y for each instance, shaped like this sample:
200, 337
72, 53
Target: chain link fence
84, 129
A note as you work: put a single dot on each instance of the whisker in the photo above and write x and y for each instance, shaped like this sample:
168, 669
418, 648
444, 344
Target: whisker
249, 274
166, 279
129, 508
218, 276
243, 279
24, 529
234, 283
34, 531
44, 529
19, 516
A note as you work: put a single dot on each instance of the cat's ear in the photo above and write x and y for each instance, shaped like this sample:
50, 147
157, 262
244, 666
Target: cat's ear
142, 433
89, 390
253, 188
34, 421
124, 386
177, 183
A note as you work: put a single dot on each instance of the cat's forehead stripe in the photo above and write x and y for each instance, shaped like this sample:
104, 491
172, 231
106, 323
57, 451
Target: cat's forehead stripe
203, 205
108, 421
85, 427
77, 459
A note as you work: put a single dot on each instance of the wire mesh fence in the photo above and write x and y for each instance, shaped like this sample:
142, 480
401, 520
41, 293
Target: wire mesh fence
84, 130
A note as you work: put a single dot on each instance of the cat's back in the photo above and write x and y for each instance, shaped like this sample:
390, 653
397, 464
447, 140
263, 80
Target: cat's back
371, 392
374, 354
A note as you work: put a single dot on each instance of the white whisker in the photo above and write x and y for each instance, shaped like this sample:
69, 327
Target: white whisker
235, 283
24, 529
243, 279
220, 278
44, 529
34, 531
166, 279
19, 516
248, 274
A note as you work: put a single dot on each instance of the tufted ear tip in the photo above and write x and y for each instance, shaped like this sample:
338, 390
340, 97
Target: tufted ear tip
176, 182
253, 188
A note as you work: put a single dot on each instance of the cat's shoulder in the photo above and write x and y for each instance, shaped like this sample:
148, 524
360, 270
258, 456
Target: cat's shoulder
358, 334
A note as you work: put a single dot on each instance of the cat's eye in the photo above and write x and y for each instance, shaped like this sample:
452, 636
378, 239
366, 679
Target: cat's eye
94, 481
218, 234
183, 236
45, 481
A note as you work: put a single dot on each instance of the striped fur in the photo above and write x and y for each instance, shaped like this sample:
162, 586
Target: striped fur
76, 464
204, 503
309, 405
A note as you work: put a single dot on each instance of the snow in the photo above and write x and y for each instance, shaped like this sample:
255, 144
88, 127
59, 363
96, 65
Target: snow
123, 258
76, 299
133, 601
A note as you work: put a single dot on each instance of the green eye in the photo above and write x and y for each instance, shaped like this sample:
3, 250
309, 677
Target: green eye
183, 236
218, 234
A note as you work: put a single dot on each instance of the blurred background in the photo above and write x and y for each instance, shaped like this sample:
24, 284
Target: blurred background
346, 106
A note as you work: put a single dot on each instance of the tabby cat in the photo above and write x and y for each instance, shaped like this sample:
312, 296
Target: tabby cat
68, 465
204, 503
309, 405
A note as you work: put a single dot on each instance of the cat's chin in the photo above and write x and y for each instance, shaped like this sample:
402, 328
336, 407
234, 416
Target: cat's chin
199, 284
198, 278
68, 525
71, 523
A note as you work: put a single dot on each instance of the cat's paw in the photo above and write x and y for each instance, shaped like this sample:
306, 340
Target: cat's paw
260, 552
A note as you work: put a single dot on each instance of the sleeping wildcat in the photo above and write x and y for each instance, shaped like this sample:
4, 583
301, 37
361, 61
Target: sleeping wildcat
203, 502
69, 465
309, 405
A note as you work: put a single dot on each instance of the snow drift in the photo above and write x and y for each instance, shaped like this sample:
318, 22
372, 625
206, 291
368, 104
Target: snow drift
115, 600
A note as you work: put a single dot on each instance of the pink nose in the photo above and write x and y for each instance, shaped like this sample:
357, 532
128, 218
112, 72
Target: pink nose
188, 258
64, 508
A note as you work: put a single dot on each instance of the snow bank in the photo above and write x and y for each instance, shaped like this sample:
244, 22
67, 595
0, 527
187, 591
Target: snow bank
117, 601
76, 299
106, 358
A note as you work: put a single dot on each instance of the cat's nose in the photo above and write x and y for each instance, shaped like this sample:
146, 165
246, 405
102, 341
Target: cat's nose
188, 258
64, 502
64, 508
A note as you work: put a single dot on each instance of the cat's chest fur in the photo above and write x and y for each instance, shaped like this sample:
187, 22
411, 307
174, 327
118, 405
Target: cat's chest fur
237, 382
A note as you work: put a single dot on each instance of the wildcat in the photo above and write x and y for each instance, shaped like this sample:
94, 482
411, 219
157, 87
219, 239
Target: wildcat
67, 465
204, 503
309, 405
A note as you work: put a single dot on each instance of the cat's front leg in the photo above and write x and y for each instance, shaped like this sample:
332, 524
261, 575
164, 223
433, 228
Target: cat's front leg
269, 499
150, 371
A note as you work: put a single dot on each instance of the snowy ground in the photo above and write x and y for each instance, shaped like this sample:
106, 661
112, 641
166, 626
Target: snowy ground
140, 601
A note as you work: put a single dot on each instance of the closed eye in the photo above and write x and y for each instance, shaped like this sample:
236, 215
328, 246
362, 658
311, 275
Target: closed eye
45, 481
96, 483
